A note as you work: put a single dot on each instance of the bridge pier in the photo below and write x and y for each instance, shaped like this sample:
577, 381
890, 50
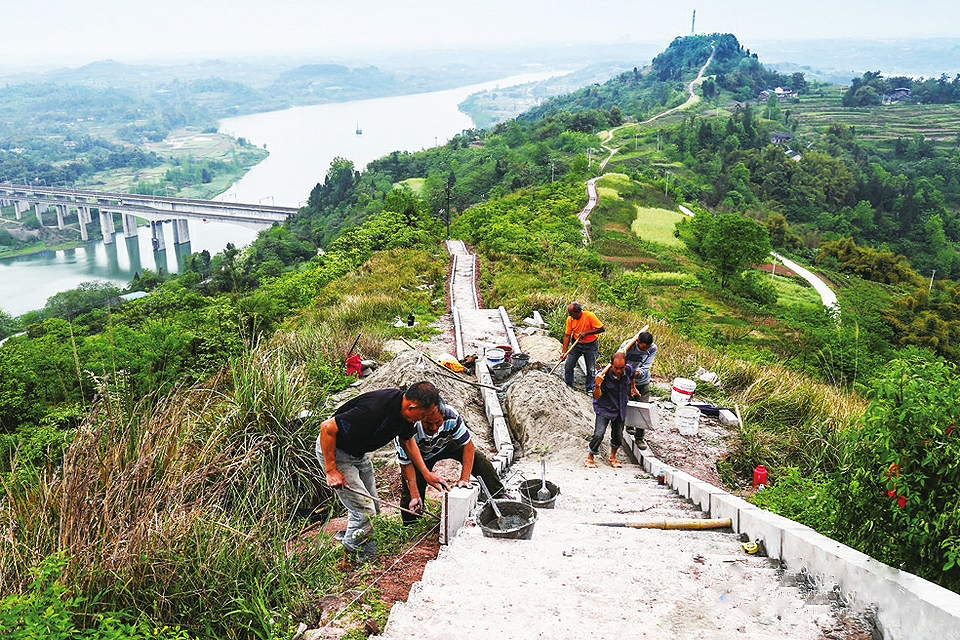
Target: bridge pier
181, 232
83, 217
40, 208
61, 214
107, 227
19, 206
156, 228
129, 226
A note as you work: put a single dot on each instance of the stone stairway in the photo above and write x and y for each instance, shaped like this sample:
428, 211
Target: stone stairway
574, 579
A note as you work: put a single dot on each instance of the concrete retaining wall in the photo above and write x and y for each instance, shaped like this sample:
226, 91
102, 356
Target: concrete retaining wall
906, 606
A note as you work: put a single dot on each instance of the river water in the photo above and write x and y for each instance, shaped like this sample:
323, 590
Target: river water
302, 142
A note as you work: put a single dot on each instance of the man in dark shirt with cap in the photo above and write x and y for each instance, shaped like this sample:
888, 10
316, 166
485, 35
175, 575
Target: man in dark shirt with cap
357, 427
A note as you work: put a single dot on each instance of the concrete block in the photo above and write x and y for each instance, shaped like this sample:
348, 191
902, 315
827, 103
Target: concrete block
724, 505
907, 606
650, 463
642, 415
680, 482
728, 418
701, 492
457, 505
501, 433
768, 527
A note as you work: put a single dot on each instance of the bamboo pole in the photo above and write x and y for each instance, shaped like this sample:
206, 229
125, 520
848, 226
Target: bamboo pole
678, 524
634, 341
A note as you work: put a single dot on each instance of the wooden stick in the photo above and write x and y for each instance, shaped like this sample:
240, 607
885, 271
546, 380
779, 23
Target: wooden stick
389, 504
564, 356
634, 341
446, 373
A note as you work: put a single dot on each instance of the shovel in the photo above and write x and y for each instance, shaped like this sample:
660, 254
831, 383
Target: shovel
564, 356
493, 503
543, 494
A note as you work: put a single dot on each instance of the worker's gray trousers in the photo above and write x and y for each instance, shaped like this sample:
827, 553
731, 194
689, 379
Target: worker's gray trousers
358, 472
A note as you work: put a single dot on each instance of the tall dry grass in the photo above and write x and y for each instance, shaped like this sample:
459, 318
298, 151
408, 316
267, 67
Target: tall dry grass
180, 508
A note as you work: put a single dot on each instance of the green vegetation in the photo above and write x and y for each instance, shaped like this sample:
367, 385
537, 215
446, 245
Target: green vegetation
156, 478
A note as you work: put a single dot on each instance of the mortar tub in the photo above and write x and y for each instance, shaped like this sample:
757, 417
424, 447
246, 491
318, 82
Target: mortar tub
501, 370
507, 352
520, 360
511, 510
529, 490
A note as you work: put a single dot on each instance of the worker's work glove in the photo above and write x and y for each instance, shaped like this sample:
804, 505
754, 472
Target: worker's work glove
416, 505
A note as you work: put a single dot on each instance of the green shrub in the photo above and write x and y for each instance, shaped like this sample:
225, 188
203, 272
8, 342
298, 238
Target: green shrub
902, 486
52, 611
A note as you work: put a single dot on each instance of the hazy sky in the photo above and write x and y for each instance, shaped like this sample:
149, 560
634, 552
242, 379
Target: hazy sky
74, 33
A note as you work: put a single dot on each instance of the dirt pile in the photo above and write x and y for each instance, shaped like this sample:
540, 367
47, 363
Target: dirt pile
542, 349
412, 366
548, 418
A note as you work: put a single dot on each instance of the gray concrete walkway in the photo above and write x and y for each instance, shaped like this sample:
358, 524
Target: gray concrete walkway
575, 580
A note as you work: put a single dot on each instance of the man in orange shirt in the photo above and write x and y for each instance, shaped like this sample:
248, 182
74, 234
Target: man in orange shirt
584, 327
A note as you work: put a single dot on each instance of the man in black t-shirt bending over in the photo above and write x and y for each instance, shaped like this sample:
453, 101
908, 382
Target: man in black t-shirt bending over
359, 426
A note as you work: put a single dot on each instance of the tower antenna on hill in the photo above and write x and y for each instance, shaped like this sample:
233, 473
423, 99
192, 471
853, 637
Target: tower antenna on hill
693, 21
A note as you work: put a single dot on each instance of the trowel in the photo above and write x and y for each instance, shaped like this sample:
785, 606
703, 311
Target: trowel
493, 503
543, 494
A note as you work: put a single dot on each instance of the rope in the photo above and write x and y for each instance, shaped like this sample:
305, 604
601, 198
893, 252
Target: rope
400, 557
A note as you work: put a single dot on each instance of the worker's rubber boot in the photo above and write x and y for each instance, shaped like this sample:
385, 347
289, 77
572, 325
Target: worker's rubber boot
639, 439
367, 554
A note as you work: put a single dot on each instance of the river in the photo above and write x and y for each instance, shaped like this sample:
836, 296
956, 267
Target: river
302, 142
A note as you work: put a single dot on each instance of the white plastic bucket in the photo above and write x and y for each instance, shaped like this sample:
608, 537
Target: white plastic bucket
688, 420
495, 356
682, 390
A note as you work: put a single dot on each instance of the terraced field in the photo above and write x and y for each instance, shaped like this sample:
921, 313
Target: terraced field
938, 123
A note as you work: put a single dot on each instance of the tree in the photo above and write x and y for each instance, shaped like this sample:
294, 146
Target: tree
734, 243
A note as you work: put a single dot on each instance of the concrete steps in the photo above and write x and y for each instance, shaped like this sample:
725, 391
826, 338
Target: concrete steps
574, 579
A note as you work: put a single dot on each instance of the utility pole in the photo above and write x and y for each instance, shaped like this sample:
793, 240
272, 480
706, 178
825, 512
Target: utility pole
930, 288
693, 21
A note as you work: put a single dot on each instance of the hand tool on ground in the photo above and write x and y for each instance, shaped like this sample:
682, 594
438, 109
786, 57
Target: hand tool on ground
446, 373
354, 345
564, 356
700, 523
543, 494
493, 503
390, 504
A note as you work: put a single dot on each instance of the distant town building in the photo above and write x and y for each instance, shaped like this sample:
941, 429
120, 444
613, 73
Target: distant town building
781, 137
900, 94
780, 92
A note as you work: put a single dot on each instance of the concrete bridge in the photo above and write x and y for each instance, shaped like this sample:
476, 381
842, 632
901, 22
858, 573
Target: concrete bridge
130, 206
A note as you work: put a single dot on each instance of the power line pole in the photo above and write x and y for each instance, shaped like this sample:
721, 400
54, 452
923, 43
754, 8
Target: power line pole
693, 21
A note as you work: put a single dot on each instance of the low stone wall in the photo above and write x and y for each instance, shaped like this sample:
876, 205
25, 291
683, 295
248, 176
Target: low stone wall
906, 607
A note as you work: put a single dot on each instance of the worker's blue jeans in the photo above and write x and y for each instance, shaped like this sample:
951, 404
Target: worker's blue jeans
600, 428
358, 472
589, 352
